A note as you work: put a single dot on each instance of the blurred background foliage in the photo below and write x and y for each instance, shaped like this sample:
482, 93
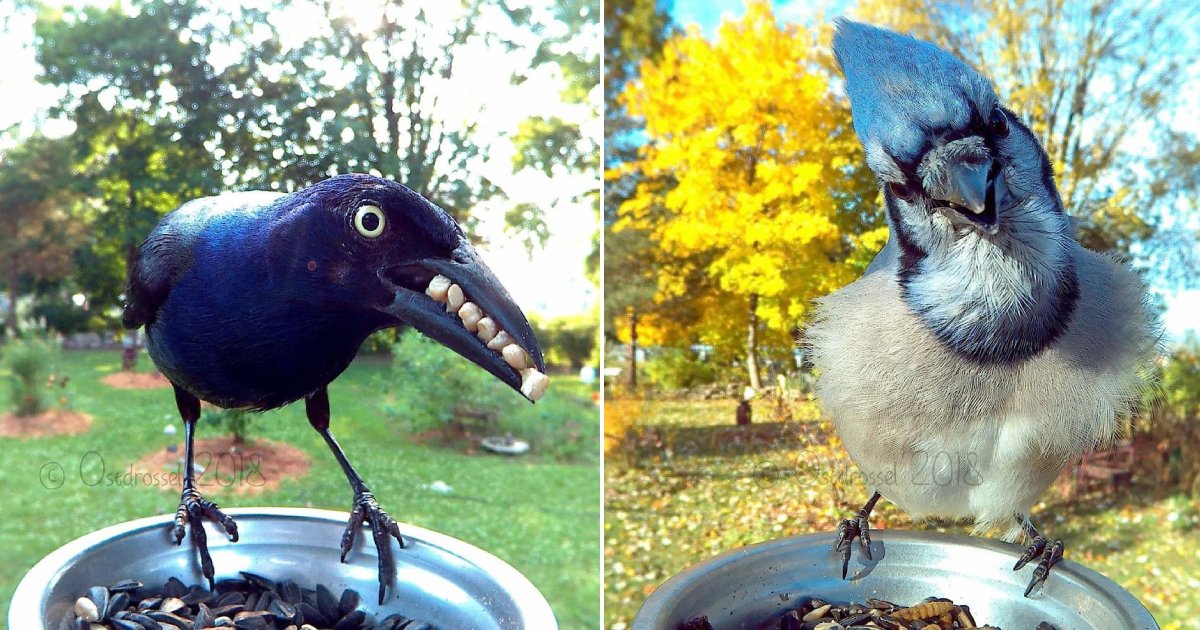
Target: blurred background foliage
29, 362
562, 427
422, 366
165, 101
489, 108
736, 191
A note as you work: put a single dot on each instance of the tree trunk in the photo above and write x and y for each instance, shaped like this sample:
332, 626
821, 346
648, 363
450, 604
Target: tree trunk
752, 345
633, 349
10, 322
131, 245
131, 256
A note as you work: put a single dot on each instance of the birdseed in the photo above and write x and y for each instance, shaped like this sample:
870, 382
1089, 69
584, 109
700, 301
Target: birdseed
931, 613
251, 602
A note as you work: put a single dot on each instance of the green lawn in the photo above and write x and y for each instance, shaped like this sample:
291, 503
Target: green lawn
689, 484
540, 516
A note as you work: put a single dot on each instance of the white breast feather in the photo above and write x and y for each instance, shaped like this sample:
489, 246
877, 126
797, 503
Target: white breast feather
943, 436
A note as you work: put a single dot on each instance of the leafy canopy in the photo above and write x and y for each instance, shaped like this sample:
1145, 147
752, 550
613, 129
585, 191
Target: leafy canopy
751, 178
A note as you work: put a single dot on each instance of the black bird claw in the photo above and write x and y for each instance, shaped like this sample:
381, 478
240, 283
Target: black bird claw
1035, 549
1049, 556
849, 529
367, 510
193, 509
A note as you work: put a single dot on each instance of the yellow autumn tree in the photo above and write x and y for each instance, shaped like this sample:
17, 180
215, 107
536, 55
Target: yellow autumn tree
751, 184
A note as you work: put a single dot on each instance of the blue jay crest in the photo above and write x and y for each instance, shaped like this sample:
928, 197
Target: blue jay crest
983, 333
901, 89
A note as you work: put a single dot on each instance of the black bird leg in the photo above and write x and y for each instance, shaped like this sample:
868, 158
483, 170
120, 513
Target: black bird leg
858, 527
366, 509
1050, 553
194, 508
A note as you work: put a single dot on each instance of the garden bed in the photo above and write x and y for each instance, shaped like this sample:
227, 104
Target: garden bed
45, 424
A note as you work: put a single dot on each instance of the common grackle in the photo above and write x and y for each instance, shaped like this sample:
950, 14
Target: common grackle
254, 300
985, 348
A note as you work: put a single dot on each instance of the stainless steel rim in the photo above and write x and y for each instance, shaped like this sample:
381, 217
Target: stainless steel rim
657, 610
27, 599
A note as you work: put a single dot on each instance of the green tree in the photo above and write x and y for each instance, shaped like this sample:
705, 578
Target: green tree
37, 231
634, 30
389, 115
157, 123
554, 144
145, 101
568, 341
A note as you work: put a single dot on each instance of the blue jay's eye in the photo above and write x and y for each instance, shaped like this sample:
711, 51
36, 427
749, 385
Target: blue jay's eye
902, 190
368, 220
998, 123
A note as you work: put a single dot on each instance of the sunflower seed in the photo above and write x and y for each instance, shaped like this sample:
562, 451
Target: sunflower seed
253, 602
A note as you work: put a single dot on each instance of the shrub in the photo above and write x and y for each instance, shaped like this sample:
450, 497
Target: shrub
236, 422
60, 315
379, 343
569, 341
432, 389
564, 426
432, 386
1170, 421
29, 360
621, 413
678, 368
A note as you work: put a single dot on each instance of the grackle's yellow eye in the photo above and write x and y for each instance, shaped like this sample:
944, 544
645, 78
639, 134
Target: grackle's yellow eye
369, 221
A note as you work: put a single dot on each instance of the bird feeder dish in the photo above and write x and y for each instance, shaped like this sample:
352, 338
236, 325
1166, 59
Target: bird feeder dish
745, 587
440, 580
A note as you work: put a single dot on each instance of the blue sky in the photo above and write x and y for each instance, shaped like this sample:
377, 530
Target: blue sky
1183, 306
708, 13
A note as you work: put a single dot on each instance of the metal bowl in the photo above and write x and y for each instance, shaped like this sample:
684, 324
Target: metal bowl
440, 580
744, 587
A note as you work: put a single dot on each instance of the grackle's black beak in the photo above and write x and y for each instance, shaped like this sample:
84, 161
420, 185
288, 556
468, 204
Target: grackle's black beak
464, 267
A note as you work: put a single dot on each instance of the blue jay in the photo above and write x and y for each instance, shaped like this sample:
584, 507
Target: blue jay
984, 349
255, 300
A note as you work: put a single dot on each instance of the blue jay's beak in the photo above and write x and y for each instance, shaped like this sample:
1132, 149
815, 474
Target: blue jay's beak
974, 191
968, 185
480, 286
